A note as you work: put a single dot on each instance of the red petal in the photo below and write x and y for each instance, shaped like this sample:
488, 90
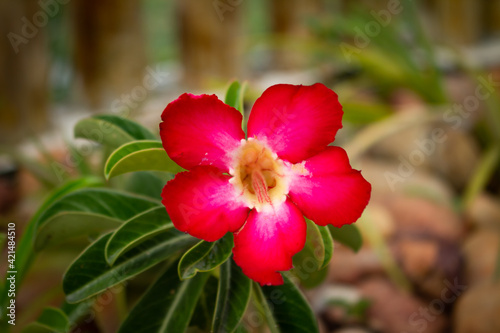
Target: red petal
331, 192
200, 130
296, 121
203, 203
268, 241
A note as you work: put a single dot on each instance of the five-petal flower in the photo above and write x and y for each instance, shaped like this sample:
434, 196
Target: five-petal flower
260, 188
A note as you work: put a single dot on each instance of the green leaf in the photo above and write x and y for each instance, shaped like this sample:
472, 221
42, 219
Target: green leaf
80, 160
327, 241
241, 329
286, 309
86, 211
364, 113
143, 155
90, 274
356, 309
167, 306
51, 320
147, 183
37, 328
204, 311
24, 250
348, 235
3, 239
232, 298
205, 256
110, 130
78, 311
310, 264
485, 169
234, 95
137, 230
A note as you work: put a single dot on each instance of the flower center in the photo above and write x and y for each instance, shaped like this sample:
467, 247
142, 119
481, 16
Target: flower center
259, 175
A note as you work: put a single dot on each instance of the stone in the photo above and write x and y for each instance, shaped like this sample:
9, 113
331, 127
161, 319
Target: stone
484, 212
481, 252
478, 309
395, 311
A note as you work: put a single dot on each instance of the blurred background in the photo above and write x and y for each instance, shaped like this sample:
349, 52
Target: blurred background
419, 82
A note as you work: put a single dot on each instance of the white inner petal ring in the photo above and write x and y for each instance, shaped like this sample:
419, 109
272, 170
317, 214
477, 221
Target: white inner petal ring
259, 176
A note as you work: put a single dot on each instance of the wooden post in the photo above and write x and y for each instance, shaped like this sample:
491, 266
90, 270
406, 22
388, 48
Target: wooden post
24, 67
109, 49
460, 20
288, 24
210, 39
492, 14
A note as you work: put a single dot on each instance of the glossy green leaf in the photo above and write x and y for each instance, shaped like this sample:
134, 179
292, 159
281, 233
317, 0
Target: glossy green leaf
78, 312
36, 328
137, 230
232, 298
147, 183
348, 235
143, 155
90, 274
203, 313
286, 309
327, 241
310, 264
24, 246
167, 306
51, 320
110, 130
87, 211
205, 256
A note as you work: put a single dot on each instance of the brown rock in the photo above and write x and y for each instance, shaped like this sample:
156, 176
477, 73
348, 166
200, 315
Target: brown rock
425, 218
484, 212
478, 310
427, 242
387, 179
456, 157
395, 311
481, 254
420, 256
348, 266
403, 143
381, 219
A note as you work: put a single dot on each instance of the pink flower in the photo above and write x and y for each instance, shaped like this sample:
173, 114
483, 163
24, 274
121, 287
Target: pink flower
259, 188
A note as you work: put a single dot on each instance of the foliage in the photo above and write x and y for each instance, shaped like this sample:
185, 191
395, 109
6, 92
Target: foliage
201, 286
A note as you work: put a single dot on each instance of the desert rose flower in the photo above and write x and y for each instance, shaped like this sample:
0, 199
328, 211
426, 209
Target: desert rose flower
260, 187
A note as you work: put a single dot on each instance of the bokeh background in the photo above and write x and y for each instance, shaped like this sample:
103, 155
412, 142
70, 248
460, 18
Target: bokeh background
419, 82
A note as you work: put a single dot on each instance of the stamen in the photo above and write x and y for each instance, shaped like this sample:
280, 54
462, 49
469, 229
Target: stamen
259, 175
260, 187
